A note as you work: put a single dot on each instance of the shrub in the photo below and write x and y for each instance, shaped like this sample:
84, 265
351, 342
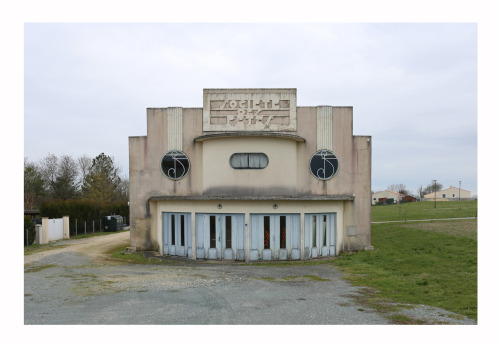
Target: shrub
30, 226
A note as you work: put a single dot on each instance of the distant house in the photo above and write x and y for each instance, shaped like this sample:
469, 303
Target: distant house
386, 195
450, 194
407, 199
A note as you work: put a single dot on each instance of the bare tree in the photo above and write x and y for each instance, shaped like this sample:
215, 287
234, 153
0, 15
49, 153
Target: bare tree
400, 188
432, 187
420, 191
123, 189
84, 166
48, 169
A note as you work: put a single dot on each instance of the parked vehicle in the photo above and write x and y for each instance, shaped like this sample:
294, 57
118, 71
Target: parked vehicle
112, 223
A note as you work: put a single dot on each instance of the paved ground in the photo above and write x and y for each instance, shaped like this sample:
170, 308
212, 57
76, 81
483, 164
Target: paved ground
79, 284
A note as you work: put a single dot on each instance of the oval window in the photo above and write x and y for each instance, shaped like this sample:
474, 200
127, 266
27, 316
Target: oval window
249, 161
175, 164
324, 164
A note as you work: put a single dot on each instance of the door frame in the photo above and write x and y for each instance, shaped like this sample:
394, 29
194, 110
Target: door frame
180, 243
206, 223
327, 248
274, 252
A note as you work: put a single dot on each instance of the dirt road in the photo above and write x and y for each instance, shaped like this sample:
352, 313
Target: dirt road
97, 248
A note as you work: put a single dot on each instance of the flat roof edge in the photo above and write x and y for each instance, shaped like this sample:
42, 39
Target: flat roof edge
248, 90
249, 134
257, 198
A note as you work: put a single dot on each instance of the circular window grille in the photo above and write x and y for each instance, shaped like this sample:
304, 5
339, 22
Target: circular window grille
175, 164
324, 164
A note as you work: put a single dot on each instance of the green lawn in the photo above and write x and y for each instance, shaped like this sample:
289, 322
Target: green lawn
432, 263
423, 210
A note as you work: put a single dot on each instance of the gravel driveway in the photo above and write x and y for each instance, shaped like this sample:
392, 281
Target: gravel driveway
79, 284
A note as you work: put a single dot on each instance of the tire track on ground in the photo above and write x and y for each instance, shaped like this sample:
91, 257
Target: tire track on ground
94, 247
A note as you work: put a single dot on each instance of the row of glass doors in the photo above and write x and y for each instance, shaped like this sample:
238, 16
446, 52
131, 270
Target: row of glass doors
272, 236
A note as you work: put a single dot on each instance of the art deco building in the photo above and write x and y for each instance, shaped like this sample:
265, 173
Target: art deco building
250, 176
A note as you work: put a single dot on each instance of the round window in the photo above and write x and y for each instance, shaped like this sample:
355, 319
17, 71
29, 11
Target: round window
324, 164
175, 164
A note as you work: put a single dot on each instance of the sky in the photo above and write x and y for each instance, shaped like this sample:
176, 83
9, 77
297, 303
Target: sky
413, 86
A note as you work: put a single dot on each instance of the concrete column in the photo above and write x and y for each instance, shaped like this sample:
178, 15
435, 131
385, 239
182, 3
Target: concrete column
38, 234
302, 235
193, 235
247, 237
66, 227
44, 239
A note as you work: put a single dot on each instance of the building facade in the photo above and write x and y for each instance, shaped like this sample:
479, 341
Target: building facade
386, 194
250, 176
450, 194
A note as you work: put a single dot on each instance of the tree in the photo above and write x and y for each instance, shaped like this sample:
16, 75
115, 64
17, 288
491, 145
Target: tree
400, 188
420, 192
84, 164
34, 190
432, 187
65, 184
102, 183
123, 190
48, 168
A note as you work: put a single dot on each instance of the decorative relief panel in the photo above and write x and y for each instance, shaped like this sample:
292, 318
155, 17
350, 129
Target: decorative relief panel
174, 128
324, 123
250, 110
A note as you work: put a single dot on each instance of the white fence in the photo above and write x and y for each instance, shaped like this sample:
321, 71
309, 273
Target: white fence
56, 229
53, 229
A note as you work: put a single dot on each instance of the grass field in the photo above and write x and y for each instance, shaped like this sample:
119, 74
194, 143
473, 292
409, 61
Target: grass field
432, 263
424, 210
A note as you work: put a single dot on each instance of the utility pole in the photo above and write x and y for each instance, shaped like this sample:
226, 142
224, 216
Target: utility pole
435, 193
399, 201
459, 185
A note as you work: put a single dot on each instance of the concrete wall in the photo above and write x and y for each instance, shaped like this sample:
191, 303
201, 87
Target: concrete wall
287, 174
146, 177
278, 178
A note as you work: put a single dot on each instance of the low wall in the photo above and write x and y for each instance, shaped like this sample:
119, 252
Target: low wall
43, 232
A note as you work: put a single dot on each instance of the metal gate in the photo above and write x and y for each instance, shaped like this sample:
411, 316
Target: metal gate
177, 234
274, 237
56, 229
220, 236
319, 235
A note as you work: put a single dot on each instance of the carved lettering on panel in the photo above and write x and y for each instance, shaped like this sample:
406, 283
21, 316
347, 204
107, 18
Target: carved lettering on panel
249, 112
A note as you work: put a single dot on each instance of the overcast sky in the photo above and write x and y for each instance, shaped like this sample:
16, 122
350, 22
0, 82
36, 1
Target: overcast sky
413, 87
